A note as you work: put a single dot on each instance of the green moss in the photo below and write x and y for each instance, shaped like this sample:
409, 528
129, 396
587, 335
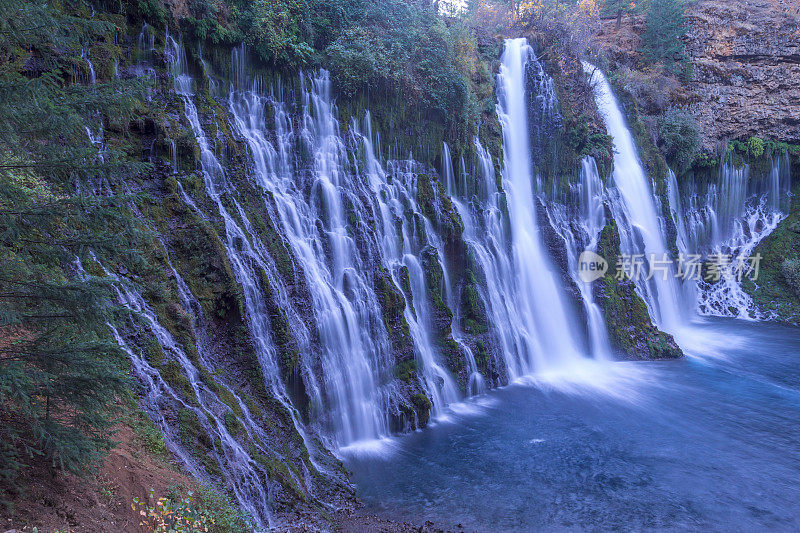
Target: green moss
171, 184
222, 392
393, 306
147, 434
406, 370
265, 228
153, 351
278, 470
434, 276
475, 320
663, 347
774, 292
195, 438
200, 256
630, 329
233, 424
422, 406
173, 374
481, 357
452, 355
255, 411
438, 208
190, 430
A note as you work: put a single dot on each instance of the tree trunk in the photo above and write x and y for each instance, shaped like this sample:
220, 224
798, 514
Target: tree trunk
619, 18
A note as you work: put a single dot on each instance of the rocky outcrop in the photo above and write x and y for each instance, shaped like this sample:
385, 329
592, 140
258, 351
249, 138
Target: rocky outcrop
746, 58
776, 290
630, 329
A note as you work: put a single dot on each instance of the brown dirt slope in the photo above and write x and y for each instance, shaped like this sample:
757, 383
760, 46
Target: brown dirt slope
99, 502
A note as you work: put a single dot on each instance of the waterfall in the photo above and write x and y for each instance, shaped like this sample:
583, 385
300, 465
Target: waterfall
394, 198
320, 203
735, 214
581, 232
549, 334
248, 479
734, 208
475, 381
730, 218
173, 156
636, 212
89, 65
312, 204
245, 251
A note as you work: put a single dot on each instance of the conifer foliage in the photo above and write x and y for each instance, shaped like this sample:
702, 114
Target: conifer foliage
662, 40
60, 370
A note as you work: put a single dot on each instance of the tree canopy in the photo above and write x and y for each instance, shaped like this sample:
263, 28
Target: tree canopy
60, 370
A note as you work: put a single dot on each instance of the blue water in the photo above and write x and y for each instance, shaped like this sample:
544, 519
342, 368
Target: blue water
709, 442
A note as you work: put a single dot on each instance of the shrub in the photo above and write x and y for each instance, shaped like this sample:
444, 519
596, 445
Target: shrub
755, 147
679, 138
208, 511
791, 273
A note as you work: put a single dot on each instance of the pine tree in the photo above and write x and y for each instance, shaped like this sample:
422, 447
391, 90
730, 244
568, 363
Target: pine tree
60, 371
663, 36
616, 8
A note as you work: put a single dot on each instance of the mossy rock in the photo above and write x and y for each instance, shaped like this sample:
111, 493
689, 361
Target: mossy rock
393, 305
173, 374
774, 291
630, 329
422, 406
406, 369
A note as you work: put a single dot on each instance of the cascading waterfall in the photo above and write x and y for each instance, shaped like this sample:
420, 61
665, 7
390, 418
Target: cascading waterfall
245, 251
347, 217
317, 205
476, 383
92, 79
635, 210
731, 218
485, 232
734, 215
393, 196
731, 208
248, 480
548, 331
101, 185
581, 231
311, 206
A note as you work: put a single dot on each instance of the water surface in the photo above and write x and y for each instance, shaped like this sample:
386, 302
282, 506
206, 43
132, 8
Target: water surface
710, 442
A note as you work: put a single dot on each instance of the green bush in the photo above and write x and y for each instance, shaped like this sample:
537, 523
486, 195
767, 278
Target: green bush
755, 147
679, 138
791, 273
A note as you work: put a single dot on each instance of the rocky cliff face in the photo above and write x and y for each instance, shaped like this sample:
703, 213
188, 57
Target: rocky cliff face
746, 66
746, 58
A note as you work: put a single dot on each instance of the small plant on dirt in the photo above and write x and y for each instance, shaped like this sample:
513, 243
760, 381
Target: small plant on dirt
172, 515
